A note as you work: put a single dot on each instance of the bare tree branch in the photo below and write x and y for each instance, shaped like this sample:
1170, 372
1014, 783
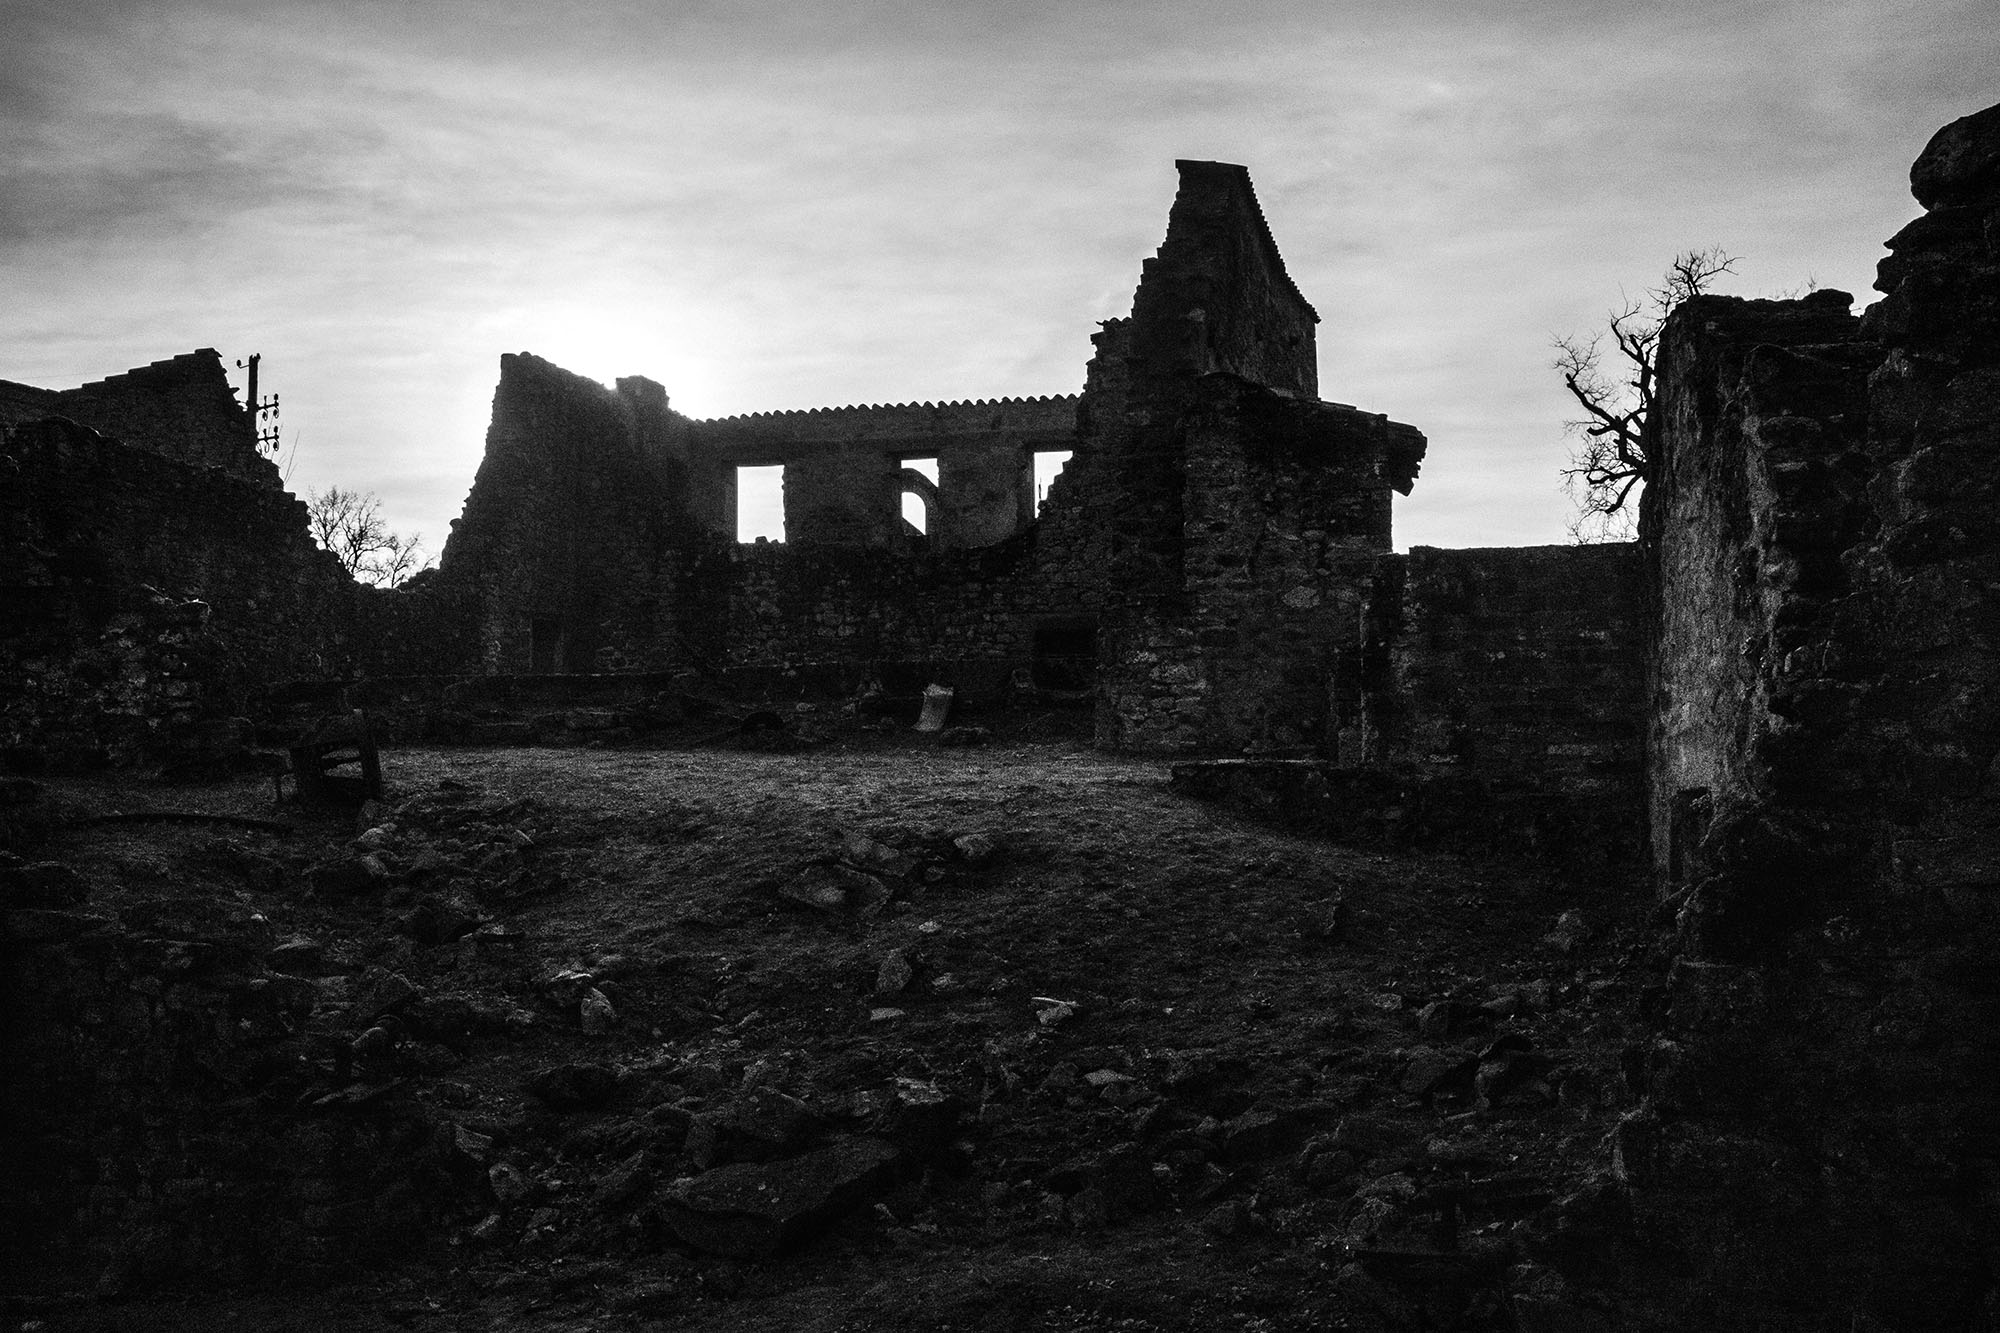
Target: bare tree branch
1607, 465
350, 525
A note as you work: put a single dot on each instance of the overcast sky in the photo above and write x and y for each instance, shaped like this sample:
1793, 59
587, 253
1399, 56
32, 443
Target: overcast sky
778, 205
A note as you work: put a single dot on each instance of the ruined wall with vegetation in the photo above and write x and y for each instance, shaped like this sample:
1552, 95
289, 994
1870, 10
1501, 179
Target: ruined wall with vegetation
144, 593
1820, 1094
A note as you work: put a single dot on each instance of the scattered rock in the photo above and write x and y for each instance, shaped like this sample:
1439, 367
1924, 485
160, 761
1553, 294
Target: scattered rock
893, 977
458, 1021
761, 1124
298, 957
19, 791
1053, 1013
40, 925
1227, 1219
381, 993
918, 1117
1432, 1070
1324, 921
1511, 1072
574, 1087
620, 1185
1572, 929
595, 1012
864, 853
566, 986
204, 920
1263, 1130
753, 1210
976, 848
836, 888
1440, 1018
472, 1145
349, 877
41, 884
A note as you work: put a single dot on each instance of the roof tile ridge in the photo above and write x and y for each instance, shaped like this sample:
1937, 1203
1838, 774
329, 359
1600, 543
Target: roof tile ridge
1264, 226
932, 405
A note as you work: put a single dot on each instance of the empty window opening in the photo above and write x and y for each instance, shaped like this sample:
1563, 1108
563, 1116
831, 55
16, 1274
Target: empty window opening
917, 504
544, 645
1048, 466
760, 503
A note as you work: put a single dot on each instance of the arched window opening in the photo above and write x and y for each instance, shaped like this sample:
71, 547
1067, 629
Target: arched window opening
917, 480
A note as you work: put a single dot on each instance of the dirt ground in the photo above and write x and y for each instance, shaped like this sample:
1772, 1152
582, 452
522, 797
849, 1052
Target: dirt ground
1143, 1065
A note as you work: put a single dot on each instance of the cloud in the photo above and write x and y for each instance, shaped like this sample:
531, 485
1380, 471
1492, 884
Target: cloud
766, 204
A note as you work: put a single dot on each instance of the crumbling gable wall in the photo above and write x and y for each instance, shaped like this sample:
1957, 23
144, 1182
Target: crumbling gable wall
572, 533
182, 408
1244, 517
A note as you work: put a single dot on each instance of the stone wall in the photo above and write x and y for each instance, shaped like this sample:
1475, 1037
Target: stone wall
1211, 541
153, 1104
1518, 669
107, 550
1756, 493
571, 536
1243, 517
1820, 1092
842, 464
182, 407
584, 548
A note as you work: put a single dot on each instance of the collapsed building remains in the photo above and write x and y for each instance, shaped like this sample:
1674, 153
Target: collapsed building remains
1787, 688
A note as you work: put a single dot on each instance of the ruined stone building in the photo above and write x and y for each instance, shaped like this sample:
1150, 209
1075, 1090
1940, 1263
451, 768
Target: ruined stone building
1206, 553
1788, 689
1214, 564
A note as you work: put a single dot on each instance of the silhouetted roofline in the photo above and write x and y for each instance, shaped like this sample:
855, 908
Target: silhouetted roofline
1239, 175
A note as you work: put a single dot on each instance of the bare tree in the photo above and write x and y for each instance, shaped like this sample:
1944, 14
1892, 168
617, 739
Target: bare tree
1607, 466
350, 525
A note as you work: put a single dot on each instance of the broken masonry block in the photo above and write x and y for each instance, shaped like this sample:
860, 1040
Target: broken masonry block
937, 705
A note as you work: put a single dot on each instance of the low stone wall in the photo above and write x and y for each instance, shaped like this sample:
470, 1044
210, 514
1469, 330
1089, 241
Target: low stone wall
1379, 806
1519, 666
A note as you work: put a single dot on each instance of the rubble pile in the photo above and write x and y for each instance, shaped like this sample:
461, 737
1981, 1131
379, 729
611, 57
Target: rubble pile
695, 1050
